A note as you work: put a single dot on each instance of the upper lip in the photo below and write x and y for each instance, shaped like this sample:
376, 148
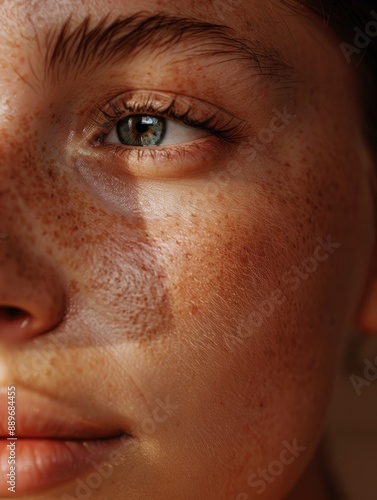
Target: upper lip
38, 416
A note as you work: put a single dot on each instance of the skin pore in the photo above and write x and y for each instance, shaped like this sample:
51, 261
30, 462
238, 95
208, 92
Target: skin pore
197, 295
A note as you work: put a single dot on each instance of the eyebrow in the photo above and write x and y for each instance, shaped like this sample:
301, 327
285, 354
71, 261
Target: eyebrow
87, 48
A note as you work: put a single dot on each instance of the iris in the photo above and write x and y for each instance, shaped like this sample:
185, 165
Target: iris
139, 130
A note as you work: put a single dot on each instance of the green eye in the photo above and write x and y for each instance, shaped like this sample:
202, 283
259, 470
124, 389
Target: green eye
141, 130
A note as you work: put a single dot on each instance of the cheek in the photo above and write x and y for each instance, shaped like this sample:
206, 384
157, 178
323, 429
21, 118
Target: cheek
246, 278
260, 282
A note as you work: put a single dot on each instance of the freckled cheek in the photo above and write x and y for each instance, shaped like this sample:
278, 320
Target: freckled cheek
234, 272
199, 272
218, 262
221, 274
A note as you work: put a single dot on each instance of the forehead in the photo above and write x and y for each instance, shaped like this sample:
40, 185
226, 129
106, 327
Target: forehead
30, 28
28, 16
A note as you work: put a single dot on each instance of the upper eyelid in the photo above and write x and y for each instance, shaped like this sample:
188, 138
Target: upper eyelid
85, 48
166, 105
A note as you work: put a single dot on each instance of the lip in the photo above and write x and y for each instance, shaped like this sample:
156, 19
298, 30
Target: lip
53, 444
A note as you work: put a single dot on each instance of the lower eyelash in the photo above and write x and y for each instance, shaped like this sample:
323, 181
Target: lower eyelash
158, 153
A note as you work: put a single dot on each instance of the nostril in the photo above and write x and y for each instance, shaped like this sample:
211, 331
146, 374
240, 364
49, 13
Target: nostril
13, 314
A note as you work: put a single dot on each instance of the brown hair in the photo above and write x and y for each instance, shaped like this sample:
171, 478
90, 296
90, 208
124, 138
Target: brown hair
348, 19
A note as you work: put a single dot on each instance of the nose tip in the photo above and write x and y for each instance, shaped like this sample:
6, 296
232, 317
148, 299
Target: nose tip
32, 293
28, 307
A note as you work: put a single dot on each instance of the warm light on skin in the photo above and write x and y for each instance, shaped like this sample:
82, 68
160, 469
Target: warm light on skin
141, 279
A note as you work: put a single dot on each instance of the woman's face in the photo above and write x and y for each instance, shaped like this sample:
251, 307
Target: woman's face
187, 227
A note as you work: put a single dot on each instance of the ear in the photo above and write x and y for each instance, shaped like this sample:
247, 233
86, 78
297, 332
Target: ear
366, 320
367, 316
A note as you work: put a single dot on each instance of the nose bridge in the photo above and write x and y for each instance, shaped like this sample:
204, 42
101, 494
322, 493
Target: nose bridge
31, 293
21, 93
20, 153
15, 211
18, 133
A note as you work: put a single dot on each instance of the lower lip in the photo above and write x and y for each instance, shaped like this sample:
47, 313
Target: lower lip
43, 463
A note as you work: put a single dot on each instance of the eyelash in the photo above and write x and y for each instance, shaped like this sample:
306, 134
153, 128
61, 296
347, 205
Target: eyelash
107, 116
190, 158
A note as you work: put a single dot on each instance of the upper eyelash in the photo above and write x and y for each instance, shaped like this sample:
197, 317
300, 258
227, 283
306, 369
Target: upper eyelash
109, 114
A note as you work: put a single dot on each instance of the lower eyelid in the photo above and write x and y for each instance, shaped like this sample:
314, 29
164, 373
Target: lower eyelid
191, 158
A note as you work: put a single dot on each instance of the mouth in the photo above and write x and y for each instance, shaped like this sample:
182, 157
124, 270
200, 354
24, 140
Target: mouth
51, 444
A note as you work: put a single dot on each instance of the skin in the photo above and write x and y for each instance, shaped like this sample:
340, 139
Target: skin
141, 287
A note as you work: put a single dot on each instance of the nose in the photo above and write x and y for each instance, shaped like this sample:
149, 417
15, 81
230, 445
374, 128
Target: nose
31, 295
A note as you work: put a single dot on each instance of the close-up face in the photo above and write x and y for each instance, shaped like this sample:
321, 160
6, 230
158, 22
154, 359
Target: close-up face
187, 232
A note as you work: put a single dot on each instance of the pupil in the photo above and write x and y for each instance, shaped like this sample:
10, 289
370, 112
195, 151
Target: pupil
142, 128
139, 130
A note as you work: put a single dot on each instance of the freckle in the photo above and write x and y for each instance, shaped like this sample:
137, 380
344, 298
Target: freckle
73, 286
194, 310
50, 173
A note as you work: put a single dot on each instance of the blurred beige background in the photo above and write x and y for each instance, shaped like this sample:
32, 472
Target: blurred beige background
352, 426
